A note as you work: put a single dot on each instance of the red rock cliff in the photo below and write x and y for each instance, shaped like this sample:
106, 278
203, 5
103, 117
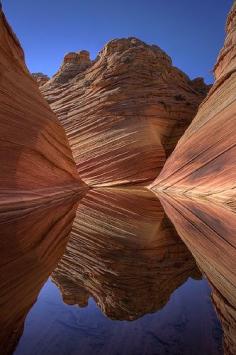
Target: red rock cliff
36, 161
204, 161
123, 112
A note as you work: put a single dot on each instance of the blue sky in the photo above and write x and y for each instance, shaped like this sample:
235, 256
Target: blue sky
190, 31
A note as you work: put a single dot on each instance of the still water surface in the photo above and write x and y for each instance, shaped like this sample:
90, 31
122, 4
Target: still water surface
187, 324
108, 274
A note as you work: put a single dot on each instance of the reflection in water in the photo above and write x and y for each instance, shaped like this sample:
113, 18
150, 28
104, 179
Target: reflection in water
124, 252
31, 243
124, 255
209, 232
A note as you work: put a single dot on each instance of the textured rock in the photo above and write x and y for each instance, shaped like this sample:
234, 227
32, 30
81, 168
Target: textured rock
73, 64
209, 232
199, 85
123, 252
40, 78
30, 246
36, 161
204, 161
124, 112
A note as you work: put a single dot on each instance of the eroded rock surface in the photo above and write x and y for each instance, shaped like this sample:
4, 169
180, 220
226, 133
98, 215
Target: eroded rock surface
204, 161
36, 161
124, 253
73, 64
40, 78
209, 231
123, 112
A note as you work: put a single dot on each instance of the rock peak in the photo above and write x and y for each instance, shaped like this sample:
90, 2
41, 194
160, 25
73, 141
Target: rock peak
80, 57
73, 64
40, 78
135, 46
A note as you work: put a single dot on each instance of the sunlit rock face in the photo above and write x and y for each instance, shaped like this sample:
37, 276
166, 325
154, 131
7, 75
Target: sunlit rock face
124, 253
36, 161
204, 161
209, 232
123, 112
31, 244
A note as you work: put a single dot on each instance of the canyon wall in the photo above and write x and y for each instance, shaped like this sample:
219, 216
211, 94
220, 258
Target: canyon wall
204, 161
36, 161
124, 111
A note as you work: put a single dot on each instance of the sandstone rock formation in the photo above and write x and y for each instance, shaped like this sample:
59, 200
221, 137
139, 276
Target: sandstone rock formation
30, 246
36, 161
123, 112
209, 231
199, 85
40, 78
204, 161
124, 253
73, 64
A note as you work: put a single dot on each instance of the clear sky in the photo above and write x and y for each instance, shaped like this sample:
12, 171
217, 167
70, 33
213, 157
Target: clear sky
190, 31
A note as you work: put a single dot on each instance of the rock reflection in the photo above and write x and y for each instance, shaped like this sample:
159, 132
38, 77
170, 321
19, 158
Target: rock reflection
209, 232
123, 252
31, 243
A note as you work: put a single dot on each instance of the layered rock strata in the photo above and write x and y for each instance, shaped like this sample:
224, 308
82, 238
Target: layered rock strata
40, 78
209, 232
123, 112
31, 244
204, 161
73, 64
36, 161
124, 253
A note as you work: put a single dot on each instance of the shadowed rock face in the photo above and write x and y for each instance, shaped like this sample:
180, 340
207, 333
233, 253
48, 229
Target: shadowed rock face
40, 78
31, 243
123, 112
36, 161
209, 231
123, 252
73, 64
204, 161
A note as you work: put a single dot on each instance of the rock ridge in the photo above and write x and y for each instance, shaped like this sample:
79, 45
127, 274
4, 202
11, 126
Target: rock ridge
124, 112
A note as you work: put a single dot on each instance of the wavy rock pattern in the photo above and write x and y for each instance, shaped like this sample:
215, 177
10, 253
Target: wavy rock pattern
31, 243
124, 112
125, 253
204, 161
209, 232
36, 161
